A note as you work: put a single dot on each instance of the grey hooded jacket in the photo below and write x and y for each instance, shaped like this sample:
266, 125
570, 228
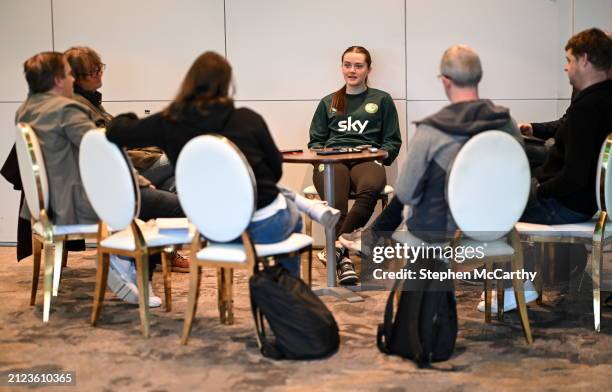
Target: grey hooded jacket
438, 138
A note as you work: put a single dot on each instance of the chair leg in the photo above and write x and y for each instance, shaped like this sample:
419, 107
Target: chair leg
142, 274
596, 264
101, 279
57, 265
539, 280
307, 269
48, 282
308, 221
519, 289
550, 250
225, 278
167, 274
64, 256
500, 299
36, 250
487, 288
192, 299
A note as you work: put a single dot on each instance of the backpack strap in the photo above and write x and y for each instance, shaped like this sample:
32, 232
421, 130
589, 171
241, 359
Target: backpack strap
384, 330
266, 348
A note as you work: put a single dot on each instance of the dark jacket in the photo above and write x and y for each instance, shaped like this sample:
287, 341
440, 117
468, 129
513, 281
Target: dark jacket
243, 127
568, 175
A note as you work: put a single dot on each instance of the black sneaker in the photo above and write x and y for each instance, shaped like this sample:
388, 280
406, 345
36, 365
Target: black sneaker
345, 271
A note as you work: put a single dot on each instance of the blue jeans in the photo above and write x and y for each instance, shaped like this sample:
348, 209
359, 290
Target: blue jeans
551, 212
277, 228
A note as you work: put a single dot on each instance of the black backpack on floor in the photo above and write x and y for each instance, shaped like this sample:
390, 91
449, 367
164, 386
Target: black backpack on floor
425, 325
302, 326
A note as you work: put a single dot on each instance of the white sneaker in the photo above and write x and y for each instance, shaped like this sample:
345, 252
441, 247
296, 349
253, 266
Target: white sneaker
154, 300
318, 211
120, 285
123, 288
509, 300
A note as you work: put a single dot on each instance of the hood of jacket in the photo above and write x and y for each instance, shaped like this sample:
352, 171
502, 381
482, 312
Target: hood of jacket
211, 119
468, 118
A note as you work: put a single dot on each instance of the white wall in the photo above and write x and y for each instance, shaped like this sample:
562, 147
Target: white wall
286, 55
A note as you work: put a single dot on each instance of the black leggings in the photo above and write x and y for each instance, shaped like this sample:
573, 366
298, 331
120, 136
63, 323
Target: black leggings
366, 180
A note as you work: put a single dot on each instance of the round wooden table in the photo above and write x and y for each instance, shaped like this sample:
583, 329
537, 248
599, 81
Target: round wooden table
311, 157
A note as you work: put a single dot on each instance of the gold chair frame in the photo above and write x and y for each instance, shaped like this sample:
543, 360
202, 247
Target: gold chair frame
225, 270
225, 279
598, 240
516, 263
141, 255
52, 244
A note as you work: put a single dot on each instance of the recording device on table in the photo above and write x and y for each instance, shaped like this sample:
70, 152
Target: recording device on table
345, 150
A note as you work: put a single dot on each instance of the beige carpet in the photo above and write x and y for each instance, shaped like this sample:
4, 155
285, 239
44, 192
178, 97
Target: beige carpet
566, 355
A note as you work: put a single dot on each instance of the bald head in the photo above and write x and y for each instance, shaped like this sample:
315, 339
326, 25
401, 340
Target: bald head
461, 65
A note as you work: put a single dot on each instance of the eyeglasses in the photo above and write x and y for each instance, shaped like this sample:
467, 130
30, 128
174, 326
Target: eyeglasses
98, 70
445, 76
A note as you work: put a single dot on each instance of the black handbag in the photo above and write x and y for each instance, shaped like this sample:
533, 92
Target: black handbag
302, 326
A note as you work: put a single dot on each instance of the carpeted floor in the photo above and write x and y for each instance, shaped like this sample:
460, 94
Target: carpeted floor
566, 355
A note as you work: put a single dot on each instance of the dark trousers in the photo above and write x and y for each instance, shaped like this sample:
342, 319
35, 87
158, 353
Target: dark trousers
365, 179
157, 203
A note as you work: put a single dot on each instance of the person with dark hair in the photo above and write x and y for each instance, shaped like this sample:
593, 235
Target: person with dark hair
563, 187
355, 115
155, 174
202, 106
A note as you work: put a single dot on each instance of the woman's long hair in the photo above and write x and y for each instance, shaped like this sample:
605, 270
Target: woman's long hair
206, 84
338, 100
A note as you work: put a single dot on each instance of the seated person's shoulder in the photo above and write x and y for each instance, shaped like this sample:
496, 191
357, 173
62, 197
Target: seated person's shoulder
246, 114
380, 94
68, 104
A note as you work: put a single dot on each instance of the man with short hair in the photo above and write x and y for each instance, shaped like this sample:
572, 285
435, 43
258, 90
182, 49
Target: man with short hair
564, 186
438, 138
60, 123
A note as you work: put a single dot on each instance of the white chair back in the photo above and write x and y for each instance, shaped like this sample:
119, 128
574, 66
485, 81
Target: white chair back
107, 176
32, 169
603, 186
216, 187
488, 185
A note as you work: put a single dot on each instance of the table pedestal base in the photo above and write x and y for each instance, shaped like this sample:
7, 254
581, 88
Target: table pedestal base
339, 292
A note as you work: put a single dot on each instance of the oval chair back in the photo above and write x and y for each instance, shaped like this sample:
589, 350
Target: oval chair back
216, 187
32, 169
603, 186
108, 179
488, 185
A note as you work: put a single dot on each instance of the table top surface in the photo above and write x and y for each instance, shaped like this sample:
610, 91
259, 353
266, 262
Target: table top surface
309, 156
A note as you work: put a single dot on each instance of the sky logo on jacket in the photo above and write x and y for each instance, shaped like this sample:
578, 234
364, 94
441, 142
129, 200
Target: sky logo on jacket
349, 125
